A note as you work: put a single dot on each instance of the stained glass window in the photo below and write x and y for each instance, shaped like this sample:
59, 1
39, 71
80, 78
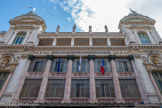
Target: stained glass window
144, 38
19, 38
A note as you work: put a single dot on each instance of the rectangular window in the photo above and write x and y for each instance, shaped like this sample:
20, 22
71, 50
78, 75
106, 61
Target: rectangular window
123, 65
38, 65
31, 88
129, 88
158, 79
99, 41
63, 42
84, 65
80, 88
98, 63
55, 88
104, 88
81, 42
143, 37
117, 41
19, 38
45, 42
3, 77
63, 65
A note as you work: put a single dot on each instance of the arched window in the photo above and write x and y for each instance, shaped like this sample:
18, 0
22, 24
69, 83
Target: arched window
144, 38
19, 38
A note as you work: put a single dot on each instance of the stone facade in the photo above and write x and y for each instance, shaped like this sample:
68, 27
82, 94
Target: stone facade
134, 54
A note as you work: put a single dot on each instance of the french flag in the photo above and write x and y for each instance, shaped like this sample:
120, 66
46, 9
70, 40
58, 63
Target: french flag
102, 67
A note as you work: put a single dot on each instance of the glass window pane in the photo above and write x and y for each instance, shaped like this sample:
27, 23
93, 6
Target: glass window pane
104, 88
129, 88
31, 88
80, 88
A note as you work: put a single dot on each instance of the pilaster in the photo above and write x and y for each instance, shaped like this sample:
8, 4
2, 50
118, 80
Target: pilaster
92, 80
44, 83
140, 87
22, 80
118, 95
68, 80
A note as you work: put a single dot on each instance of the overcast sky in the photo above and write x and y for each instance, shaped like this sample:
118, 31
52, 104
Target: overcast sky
97, 13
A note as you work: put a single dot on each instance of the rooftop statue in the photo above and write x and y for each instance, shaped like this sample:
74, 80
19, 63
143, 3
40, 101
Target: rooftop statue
106, 29
74, 27
90, 28
57, 29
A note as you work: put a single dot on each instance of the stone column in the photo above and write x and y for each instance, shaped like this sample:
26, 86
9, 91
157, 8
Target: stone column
44, 83
68, 80
118, 95
108, 41
155, 86
140, 87
90, 41
92, 84
22, 80
54, 41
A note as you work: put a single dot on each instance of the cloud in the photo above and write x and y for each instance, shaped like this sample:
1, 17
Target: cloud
69, 19
99, 13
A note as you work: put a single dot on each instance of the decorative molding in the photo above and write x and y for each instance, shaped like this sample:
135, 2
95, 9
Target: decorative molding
91, 57
111, 57
70, 57
30, 57
51, 57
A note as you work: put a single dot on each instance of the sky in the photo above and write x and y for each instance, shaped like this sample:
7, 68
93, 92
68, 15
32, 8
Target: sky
83, 13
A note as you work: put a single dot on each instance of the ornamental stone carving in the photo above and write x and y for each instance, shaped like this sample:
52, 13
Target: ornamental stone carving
8, 62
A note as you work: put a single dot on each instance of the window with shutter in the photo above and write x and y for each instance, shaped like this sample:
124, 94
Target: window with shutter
80, 88
129, 88
3, 77
38, 65
158, 79
31, 88
63, 65
55, 88
104, 88
123, 65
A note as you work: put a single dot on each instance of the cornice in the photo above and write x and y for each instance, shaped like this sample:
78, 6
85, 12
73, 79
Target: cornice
75, 48
82, 34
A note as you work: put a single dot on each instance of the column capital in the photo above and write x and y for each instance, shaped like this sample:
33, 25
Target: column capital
50, 57
111, 57
131, 57
30, 57
70, 57
91, 57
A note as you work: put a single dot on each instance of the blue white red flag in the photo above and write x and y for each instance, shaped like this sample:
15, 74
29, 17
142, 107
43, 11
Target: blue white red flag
102, 67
